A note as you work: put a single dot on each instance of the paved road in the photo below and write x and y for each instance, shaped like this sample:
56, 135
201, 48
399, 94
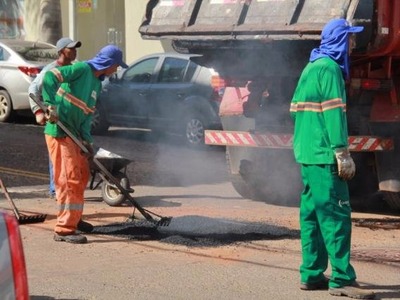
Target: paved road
218, 245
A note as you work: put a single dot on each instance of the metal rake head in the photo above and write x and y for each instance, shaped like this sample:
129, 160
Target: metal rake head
24, 219
163, 221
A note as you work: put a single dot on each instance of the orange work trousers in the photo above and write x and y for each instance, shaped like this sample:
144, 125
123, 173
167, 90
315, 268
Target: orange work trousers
71, 175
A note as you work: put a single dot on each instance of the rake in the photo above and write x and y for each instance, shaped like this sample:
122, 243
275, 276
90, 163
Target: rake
21, 218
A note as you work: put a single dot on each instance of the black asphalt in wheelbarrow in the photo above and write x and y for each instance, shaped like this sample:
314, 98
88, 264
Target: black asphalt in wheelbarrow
106, 175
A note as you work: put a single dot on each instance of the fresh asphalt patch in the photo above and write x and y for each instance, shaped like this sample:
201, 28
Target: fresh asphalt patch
198, 231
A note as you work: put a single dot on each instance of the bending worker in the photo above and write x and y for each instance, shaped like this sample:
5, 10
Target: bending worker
70, 92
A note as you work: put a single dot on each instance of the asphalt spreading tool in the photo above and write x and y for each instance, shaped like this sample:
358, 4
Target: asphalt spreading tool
21, 218
106, 175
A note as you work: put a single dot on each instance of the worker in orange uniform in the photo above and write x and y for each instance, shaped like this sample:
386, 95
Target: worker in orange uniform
71, 93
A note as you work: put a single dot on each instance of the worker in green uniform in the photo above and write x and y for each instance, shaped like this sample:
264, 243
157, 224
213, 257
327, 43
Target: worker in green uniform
320, 145
71, 92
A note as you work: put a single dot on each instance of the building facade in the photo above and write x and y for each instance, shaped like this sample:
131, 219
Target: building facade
100, 22
95, 23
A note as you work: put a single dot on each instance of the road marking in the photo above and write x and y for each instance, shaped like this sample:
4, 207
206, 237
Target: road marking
24, 173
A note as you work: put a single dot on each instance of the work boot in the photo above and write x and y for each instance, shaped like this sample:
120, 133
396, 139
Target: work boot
320, 285
85, 227
73, 238
352, 291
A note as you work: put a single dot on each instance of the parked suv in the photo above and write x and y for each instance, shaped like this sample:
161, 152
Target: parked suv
164, 92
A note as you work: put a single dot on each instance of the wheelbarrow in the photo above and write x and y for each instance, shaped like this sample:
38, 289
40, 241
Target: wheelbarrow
117, 166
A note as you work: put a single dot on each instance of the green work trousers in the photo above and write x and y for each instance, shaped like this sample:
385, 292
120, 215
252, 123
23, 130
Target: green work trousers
325, 225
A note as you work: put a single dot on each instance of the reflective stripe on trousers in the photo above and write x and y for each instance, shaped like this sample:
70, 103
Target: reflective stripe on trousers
71, 175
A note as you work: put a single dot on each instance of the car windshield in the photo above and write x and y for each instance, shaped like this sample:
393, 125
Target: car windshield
36, 52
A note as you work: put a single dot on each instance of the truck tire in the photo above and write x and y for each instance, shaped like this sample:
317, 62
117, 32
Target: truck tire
392, 199
264, 178
111, 194
6, 107
238, 182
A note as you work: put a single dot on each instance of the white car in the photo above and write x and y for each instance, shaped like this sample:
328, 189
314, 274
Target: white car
20, 62
13, 276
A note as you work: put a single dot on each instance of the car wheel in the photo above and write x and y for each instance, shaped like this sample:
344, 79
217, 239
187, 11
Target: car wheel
6, 109
194, 130
100, 124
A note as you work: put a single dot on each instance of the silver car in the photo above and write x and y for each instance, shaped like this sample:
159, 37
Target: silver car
20, 62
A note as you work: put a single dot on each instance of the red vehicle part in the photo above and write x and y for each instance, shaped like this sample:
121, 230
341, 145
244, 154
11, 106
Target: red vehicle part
268, 43
13, 276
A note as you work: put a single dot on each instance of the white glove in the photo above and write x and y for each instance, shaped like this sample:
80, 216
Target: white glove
51, 114
40, 118
346, 165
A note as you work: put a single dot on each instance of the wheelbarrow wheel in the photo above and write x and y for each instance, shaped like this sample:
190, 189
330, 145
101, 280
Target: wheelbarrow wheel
111, 194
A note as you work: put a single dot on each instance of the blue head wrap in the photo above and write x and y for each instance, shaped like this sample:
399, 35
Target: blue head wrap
108, 56
334, 43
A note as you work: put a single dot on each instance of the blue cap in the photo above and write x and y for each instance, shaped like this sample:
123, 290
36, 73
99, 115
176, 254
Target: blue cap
338, 26
113, 54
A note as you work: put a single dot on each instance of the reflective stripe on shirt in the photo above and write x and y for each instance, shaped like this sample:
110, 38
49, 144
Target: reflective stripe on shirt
75, 101
318, 107
57, 73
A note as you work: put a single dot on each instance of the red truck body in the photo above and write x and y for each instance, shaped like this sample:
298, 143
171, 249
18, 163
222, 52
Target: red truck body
260, 47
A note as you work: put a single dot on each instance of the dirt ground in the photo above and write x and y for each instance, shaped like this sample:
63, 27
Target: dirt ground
218, 246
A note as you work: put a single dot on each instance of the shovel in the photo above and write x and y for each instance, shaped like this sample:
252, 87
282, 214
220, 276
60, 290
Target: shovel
21, 218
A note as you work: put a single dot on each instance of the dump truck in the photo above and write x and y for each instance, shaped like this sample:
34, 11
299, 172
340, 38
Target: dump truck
259, 48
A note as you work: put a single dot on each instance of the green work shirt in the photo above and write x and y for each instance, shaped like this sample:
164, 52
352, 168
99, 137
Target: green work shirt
73, 90
318, 109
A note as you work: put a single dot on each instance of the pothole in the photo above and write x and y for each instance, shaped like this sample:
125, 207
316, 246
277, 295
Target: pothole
198, 231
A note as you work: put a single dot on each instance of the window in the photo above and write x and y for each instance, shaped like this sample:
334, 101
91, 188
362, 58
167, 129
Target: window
36, 52
141, 72
190, 71
172, 70
4, 54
